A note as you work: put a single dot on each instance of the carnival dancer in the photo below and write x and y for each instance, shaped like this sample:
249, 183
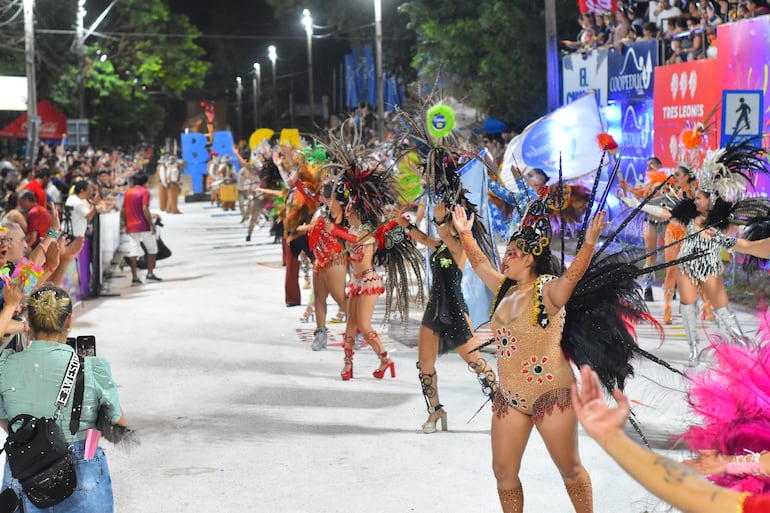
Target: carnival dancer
363, 187
330, 264
445, 324
535, 376
724, 177
541, 322
654, 226
161, 173
173, 180
684, 186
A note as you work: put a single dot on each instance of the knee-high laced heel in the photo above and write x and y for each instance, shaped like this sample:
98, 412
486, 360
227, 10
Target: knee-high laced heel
347, 370
430, 393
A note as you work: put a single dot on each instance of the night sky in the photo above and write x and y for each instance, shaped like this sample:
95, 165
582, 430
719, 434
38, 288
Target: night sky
238, 33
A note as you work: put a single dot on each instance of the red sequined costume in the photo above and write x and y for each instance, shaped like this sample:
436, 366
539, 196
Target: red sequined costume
534, 374
326, 247
367, 282
755, 504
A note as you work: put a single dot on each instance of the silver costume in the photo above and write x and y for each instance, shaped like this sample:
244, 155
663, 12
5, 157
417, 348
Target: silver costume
710, 264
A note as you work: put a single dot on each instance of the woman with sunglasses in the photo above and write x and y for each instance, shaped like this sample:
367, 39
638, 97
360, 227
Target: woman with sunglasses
29, 383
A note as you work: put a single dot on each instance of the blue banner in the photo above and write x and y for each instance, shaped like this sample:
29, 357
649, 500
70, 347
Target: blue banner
351, 91
630, 72
371, 76
630, 122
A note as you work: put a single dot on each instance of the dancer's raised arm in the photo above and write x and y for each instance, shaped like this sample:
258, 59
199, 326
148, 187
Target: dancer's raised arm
481, 266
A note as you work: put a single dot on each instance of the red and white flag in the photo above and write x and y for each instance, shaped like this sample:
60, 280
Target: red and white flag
597, 6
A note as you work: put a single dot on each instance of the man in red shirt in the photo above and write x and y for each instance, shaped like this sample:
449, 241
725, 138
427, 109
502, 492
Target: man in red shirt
39, 185
136, 209
38, 218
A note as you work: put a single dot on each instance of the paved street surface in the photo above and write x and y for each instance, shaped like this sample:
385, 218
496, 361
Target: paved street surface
236, 413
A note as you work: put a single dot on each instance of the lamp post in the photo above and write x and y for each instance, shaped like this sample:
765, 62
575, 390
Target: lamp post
256, 85
81, 47
272, 54
33, 122
307, 21
378, 56
239, 106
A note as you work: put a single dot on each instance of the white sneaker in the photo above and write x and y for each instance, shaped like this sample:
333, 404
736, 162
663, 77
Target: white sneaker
319, 339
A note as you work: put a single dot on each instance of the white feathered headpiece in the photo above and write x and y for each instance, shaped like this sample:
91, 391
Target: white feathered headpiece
727, 172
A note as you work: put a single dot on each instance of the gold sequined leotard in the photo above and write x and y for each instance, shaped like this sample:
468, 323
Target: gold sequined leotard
534, 374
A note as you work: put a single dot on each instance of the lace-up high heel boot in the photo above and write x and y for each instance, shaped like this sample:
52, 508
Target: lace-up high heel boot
727, 322
512, 500
689, 319
385, 363
486, 377
347, 370
436, 410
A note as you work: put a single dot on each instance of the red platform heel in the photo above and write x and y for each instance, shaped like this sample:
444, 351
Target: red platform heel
389, 364
347, 371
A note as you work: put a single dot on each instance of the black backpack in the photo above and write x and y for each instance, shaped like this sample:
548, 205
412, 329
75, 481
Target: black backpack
38, 456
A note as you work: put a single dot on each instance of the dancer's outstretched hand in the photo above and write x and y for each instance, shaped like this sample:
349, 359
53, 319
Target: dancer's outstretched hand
460, 219
595, 227
598, 419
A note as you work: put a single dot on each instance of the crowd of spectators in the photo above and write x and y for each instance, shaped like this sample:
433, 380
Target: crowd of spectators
687, 28
65, 189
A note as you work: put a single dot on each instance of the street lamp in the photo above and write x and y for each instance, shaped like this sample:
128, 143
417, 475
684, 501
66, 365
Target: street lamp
380, 92
273, 56
256, 85
307, 21
239, 106
81, 47
33, 121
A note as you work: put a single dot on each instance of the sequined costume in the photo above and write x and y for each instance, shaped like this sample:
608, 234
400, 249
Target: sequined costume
326, 248
710, 264
534, 373
446, 309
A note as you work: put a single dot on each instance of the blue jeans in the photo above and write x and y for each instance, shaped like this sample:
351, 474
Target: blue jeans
93, 493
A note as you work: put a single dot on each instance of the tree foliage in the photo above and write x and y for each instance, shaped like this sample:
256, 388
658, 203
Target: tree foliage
492, 53
140, 57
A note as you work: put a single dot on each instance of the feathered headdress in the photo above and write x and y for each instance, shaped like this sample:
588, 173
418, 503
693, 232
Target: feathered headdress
728, 171
429, 135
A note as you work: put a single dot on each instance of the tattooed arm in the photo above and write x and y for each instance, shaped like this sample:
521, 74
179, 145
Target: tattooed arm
673, 482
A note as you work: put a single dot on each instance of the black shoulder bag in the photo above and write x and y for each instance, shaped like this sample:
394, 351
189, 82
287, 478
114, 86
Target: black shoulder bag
38, 456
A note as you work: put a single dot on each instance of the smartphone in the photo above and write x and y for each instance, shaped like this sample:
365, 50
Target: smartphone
72, 342
86, 345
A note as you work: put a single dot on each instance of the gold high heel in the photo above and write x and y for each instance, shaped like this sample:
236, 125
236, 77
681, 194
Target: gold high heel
430, 427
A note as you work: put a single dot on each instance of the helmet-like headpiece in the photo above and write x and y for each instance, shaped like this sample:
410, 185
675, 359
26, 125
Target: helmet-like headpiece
534, 233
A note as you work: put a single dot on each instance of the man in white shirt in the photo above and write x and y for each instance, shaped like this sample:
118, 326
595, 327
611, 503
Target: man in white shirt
80, 210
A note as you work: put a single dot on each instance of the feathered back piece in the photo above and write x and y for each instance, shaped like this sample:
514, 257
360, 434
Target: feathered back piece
728, 171
600, 318
440, 158
732, 400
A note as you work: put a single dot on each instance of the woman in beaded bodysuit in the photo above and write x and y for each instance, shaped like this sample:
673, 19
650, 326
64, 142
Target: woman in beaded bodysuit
445, 323
534, 375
